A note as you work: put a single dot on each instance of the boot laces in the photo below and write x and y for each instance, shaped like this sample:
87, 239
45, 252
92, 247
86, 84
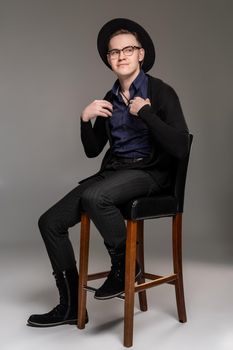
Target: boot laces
117, 270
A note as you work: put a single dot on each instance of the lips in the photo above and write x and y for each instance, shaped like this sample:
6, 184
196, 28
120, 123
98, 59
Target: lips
122, 65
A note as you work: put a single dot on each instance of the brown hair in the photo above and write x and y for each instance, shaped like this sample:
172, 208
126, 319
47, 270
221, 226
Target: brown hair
124, 31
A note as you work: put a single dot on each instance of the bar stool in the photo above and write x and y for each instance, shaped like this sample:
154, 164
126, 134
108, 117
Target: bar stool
135, 212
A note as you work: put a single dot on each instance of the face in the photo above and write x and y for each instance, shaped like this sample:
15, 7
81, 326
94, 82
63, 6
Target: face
125, 66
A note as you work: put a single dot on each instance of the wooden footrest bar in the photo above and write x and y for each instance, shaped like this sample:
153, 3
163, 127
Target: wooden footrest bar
151, 276
96, 276
155, 282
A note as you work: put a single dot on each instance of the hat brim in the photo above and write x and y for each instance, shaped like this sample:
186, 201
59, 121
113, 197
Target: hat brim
123, 23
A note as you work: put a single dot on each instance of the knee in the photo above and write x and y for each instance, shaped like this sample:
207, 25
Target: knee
42, 222
45, 223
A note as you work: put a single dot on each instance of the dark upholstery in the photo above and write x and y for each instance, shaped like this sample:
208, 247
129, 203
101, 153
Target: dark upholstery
161, 205
149, 207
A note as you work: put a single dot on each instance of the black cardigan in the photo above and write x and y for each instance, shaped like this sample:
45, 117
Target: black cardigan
166, 122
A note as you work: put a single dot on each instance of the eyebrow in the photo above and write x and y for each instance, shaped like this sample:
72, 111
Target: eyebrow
123, 47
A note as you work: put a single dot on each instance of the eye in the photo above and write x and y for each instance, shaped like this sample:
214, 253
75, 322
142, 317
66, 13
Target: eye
128, 50
114, 52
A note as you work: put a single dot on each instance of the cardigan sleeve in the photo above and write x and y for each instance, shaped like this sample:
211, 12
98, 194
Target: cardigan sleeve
93, 138
168, 126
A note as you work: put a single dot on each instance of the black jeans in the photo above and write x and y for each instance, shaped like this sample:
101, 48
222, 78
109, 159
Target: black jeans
100, 197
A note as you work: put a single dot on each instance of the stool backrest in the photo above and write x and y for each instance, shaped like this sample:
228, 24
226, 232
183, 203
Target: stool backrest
180, 178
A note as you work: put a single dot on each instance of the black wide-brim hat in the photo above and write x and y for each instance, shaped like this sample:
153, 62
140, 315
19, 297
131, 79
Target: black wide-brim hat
123, 23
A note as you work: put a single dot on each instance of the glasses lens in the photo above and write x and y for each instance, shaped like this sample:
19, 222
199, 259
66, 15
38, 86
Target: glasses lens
128, 51
114, 53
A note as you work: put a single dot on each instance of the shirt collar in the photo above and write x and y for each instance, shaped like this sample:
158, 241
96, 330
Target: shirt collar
135, 84
138, 80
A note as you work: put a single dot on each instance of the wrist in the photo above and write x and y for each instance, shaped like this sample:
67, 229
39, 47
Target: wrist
145, 107
84, 118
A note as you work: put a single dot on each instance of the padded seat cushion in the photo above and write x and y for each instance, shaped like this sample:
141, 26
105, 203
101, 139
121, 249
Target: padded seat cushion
150, 207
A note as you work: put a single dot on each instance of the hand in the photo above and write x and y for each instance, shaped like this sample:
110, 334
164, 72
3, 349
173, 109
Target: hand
101, 108
137, 103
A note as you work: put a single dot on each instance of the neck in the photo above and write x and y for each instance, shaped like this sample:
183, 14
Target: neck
126, 81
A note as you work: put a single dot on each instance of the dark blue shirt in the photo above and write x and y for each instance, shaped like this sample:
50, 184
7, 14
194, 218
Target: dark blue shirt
130, 134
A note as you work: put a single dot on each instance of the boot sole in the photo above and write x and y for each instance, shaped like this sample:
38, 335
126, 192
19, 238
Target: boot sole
137, 277
39, 325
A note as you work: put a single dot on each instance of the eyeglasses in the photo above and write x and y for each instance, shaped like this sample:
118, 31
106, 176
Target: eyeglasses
127, 51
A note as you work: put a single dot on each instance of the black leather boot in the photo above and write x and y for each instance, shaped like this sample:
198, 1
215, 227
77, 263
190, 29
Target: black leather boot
114, 285
66, 311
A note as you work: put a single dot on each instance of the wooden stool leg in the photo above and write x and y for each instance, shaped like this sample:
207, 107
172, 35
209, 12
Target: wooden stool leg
140, 258
83, 269
177, 263
130, 281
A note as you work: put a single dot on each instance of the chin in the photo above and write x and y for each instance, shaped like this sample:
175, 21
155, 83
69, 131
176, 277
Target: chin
125, 72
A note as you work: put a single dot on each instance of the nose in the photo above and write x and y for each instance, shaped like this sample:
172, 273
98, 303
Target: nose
121, 55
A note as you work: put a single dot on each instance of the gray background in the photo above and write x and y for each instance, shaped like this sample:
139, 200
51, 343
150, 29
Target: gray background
50, 70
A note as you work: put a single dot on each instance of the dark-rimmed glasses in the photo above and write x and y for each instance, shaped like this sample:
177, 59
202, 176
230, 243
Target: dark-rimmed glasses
127, 51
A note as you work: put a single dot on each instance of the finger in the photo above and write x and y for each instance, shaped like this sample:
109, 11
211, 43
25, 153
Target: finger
106, 111
103, 114
102, 104
131, 111
106, 104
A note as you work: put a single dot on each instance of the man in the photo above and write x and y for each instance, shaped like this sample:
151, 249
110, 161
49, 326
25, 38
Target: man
142, 120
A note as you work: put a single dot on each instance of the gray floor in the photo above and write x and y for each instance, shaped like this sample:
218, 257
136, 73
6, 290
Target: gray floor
28, 287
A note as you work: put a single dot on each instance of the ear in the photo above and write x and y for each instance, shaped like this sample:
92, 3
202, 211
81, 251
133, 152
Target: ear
141, 54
